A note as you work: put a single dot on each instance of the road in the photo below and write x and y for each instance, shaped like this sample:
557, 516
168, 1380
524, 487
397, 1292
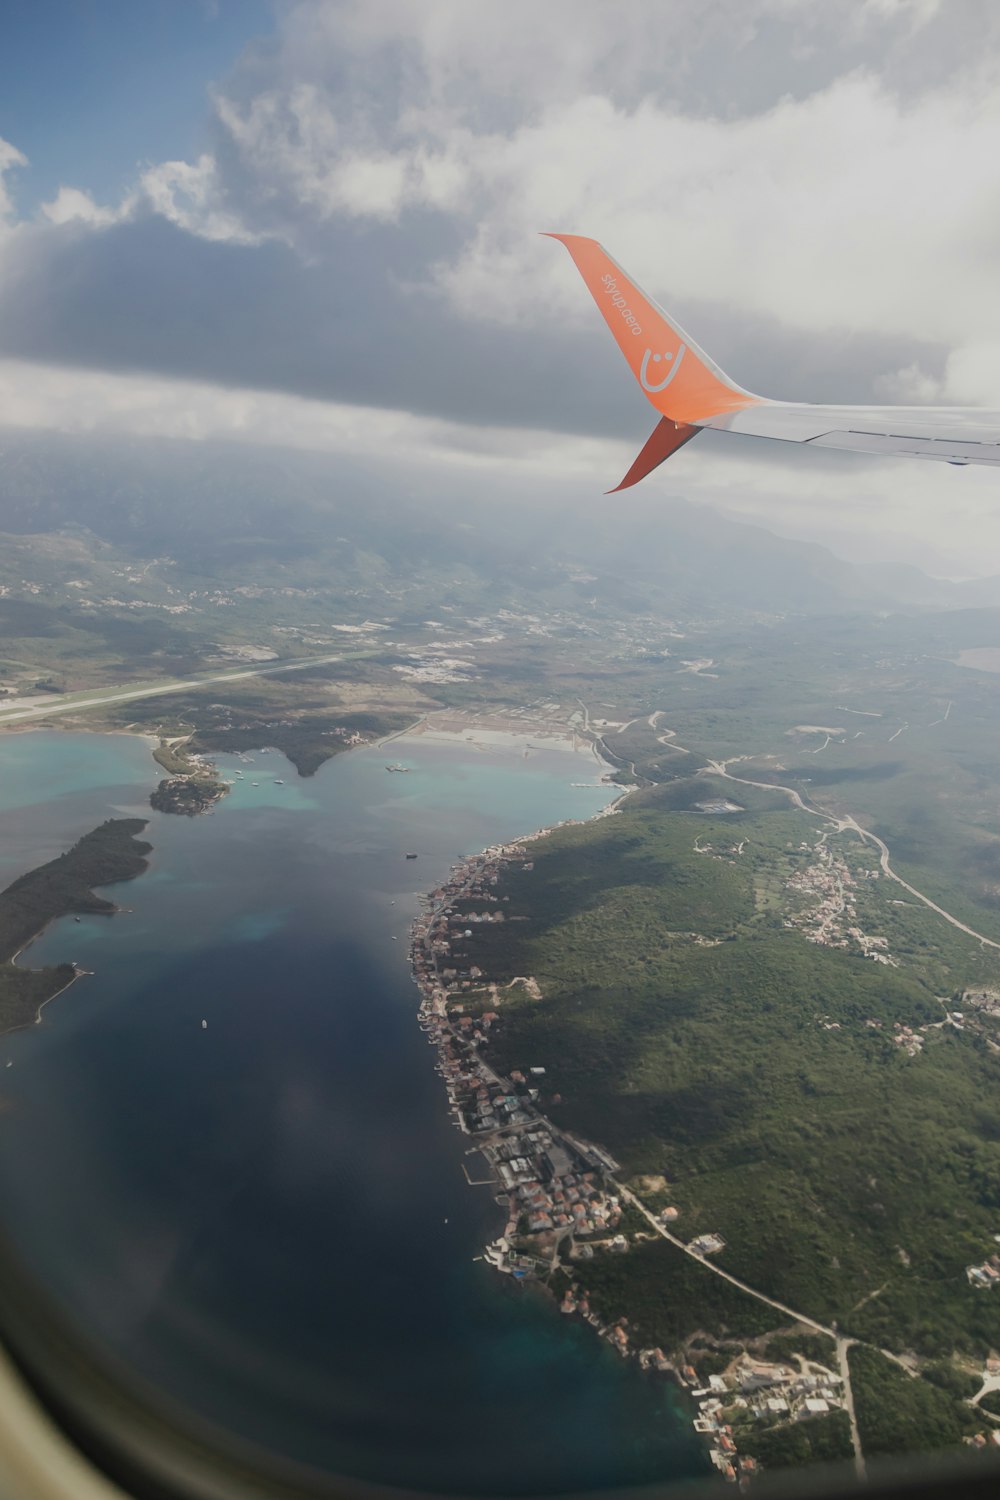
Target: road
72, 703
845, 1374
703, 1260
873, 838
718, 768
842, 1344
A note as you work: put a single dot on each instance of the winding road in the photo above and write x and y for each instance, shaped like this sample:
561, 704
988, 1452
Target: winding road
719, 768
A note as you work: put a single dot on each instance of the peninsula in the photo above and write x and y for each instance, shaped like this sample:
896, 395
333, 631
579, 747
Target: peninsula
64, 886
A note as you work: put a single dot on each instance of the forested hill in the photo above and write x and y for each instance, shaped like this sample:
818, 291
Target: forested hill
710, 1012
64, 885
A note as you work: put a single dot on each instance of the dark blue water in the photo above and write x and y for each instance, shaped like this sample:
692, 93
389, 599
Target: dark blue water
268, 1216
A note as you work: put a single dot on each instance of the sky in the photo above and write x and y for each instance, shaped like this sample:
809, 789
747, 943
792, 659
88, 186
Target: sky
315, 222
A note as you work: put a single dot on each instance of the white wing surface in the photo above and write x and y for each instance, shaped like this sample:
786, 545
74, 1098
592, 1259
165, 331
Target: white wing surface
690, 392
950, 434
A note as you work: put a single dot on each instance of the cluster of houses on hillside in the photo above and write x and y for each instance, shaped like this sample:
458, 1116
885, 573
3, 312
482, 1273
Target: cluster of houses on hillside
828, 886
829, 915
985, 1275
988, 1001
752, 1390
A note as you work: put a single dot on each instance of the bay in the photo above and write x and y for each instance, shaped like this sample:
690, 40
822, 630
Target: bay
266, 1215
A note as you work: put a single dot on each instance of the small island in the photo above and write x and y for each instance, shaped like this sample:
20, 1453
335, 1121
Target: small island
192, 785
187, 795
60, 888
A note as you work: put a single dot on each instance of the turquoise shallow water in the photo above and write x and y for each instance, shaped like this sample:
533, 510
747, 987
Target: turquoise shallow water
268, 1215
53, 788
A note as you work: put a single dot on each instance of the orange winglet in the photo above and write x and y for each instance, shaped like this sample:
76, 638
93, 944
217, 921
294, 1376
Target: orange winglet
666, 437
678, 378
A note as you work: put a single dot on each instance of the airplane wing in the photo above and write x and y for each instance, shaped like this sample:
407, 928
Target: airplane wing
690, 392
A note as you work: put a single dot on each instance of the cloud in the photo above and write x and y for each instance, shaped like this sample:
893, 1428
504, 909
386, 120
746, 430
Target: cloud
973, 373
916, 14
909, 386
51, 397
814, 197
72, 204
944, 519
814, 211
293, 148
190, 195
9, 157
461, 132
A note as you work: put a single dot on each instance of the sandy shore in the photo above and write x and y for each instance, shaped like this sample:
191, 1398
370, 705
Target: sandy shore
499, 731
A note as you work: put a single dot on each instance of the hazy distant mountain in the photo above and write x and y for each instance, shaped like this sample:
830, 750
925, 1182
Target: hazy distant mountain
706, 557
910, 586
236, 513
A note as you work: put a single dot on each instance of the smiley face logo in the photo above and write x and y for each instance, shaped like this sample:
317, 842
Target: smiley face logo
675, 364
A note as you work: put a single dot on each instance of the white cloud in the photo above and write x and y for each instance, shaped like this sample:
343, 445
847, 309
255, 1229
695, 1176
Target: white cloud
303, 162
455, 52
915, 14
72, 204
972, 376
191, 195
10, 157
909, 386
51, 397
815, 212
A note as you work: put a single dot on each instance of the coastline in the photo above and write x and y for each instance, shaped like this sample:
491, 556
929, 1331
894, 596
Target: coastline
350, 1056
78, 972
532, 1164
72, 892
500, 730
469, 872
563, 1197
45, 728
517, 1145
552, 1189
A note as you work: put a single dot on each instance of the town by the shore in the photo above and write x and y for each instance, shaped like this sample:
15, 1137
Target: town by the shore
559, 1193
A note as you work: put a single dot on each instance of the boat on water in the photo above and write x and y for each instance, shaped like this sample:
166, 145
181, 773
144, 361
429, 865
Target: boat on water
411, 856
397, 767
278, 781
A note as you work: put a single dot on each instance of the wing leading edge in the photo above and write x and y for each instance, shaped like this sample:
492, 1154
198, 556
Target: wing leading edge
690, 392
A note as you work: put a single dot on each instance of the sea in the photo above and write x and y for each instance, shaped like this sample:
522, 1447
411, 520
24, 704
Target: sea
227, 1153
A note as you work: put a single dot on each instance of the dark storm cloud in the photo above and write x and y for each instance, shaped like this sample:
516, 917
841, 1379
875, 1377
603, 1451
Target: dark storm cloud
146, 296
